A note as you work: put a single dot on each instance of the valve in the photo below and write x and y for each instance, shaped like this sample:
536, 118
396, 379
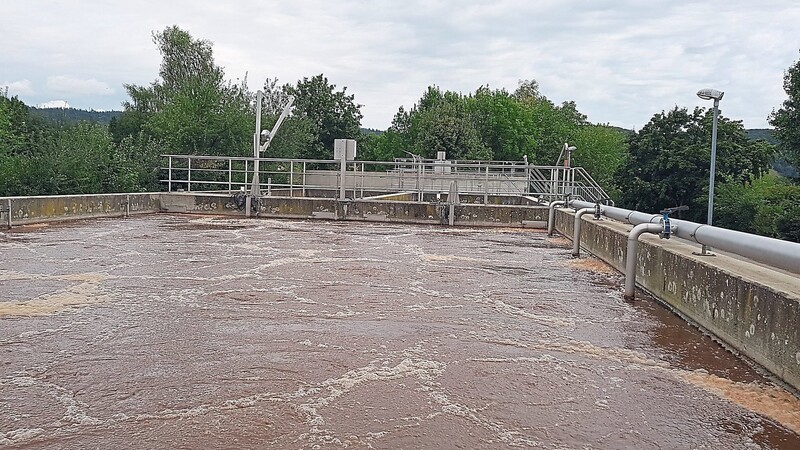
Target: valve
666, 229
597, 211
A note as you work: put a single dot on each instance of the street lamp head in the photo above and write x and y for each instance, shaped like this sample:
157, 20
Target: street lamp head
710, 94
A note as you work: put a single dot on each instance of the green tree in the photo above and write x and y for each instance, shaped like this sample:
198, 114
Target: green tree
504, 124
551, 126
669, 160
492, 124
129, 123
79, 159
135, 165
297, 134
331, 114
17, 126
786, 119
191, 108
601, 150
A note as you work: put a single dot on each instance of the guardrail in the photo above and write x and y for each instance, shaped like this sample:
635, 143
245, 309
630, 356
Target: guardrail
311, 177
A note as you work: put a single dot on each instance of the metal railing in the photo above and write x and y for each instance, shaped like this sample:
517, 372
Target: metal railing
314, 178
556, 182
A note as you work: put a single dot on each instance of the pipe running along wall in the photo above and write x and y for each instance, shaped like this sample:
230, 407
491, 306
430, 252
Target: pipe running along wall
552, 216
776, 253
630, 258
576, 234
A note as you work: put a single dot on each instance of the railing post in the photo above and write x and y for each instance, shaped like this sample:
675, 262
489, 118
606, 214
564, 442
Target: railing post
291, 178
189, 176
8, 214
246, 166
230, 175
486, 187
419, 179
343, 175
169, 175
304, 178
527, 177
355, 179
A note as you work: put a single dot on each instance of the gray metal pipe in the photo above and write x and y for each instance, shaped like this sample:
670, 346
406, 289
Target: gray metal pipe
551, 218
776, 253
576, 231
630, 257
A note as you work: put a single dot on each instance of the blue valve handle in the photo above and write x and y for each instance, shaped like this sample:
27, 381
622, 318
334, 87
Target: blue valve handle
665, 233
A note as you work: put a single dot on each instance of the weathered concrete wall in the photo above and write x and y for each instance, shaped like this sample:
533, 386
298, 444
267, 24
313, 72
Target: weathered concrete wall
379, 210
753, 309
26, 210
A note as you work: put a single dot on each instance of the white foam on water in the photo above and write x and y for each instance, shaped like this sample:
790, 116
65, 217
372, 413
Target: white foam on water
416, 286
445, 258
19, 435
343, 314
503, 433
586, 348
336, 387
504, 308
33, 333
24, 381
430, 307
74, 413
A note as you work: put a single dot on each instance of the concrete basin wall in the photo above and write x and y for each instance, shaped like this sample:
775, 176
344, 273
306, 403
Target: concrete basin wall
375, 210
26, 210
753, 309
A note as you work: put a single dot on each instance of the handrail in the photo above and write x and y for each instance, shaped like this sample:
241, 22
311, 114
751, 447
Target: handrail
776, 253
193, 172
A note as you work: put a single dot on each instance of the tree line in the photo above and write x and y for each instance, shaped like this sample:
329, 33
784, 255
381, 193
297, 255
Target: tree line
192, 109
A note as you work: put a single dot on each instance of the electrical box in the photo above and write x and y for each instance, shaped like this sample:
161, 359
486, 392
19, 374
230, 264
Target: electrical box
346, 147
440, 166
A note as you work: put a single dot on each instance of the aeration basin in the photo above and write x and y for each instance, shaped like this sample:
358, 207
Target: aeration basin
177, 331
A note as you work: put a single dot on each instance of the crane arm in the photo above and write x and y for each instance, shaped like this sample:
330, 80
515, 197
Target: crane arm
270, 134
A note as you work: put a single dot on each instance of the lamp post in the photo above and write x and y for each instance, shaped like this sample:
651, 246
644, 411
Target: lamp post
711, 94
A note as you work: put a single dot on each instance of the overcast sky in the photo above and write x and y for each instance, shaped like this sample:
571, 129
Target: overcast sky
621, 61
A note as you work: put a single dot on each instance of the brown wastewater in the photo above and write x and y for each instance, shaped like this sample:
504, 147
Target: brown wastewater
169, 331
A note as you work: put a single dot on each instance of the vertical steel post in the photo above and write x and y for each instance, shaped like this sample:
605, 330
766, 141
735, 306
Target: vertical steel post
255, 190
304, 178
419, 178
169, 176
189, 176
230, 177
291, 178
8, 214
486, 187
342, 173
710, 218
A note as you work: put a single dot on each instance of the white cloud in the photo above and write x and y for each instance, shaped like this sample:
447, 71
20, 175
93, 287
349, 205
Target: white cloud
21, 87
53, 104
76, 86
621, 61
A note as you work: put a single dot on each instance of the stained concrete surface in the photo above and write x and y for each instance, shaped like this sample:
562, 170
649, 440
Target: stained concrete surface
184, 332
